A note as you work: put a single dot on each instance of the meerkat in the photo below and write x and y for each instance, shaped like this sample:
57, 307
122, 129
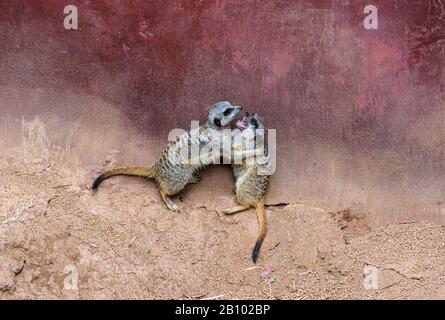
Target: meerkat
172, 174
251, 180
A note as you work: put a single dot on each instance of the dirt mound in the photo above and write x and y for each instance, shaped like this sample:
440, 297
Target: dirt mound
123, 243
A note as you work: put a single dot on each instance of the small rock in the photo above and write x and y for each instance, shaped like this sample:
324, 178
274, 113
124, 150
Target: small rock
305, 273
7, 283
16, 266
266, 272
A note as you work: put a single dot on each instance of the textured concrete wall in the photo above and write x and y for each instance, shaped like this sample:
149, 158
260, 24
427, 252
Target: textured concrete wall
360, 114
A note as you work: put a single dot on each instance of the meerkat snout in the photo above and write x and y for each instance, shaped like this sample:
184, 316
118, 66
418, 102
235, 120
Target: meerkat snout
222, 114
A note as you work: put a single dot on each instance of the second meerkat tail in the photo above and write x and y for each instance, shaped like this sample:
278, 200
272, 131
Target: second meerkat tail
261, 214
128, 171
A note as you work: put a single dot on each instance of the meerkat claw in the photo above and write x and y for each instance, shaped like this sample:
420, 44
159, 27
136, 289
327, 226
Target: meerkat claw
173, 207
169, 203
195, 179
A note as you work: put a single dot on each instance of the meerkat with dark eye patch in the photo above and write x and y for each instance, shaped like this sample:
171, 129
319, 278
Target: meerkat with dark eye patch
251, 178
169, 171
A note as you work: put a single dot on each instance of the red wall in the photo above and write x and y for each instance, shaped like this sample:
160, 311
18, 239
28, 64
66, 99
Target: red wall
359, 113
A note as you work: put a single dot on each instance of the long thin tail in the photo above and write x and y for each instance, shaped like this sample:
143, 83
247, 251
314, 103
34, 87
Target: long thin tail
128, 171
261, 214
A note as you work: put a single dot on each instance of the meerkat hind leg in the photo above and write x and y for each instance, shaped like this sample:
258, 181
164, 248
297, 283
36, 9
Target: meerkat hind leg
168, 202
236, 209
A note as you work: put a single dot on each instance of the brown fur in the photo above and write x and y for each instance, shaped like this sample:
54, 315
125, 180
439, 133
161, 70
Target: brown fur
170, 172
250, 191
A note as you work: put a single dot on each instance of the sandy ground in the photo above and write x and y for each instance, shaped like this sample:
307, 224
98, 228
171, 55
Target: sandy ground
123, 243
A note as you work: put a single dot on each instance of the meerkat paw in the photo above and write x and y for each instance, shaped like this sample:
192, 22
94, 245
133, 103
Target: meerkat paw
195, 179
172, 206
236, 209
169, 203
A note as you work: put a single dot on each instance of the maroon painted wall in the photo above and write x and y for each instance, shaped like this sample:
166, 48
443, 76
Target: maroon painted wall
360, 114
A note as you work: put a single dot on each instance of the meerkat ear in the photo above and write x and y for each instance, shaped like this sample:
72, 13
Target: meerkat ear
258, 117
217, 122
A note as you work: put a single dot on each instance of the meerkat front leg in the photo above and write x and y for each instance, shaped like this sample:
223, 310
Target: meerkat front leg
203, 158
238, 154
236, 209
195, 178
168, 202
246, 154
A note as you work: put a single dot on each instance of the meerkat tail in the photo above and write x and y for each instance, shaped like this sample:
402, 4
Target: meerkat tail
128, 171
262, 229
